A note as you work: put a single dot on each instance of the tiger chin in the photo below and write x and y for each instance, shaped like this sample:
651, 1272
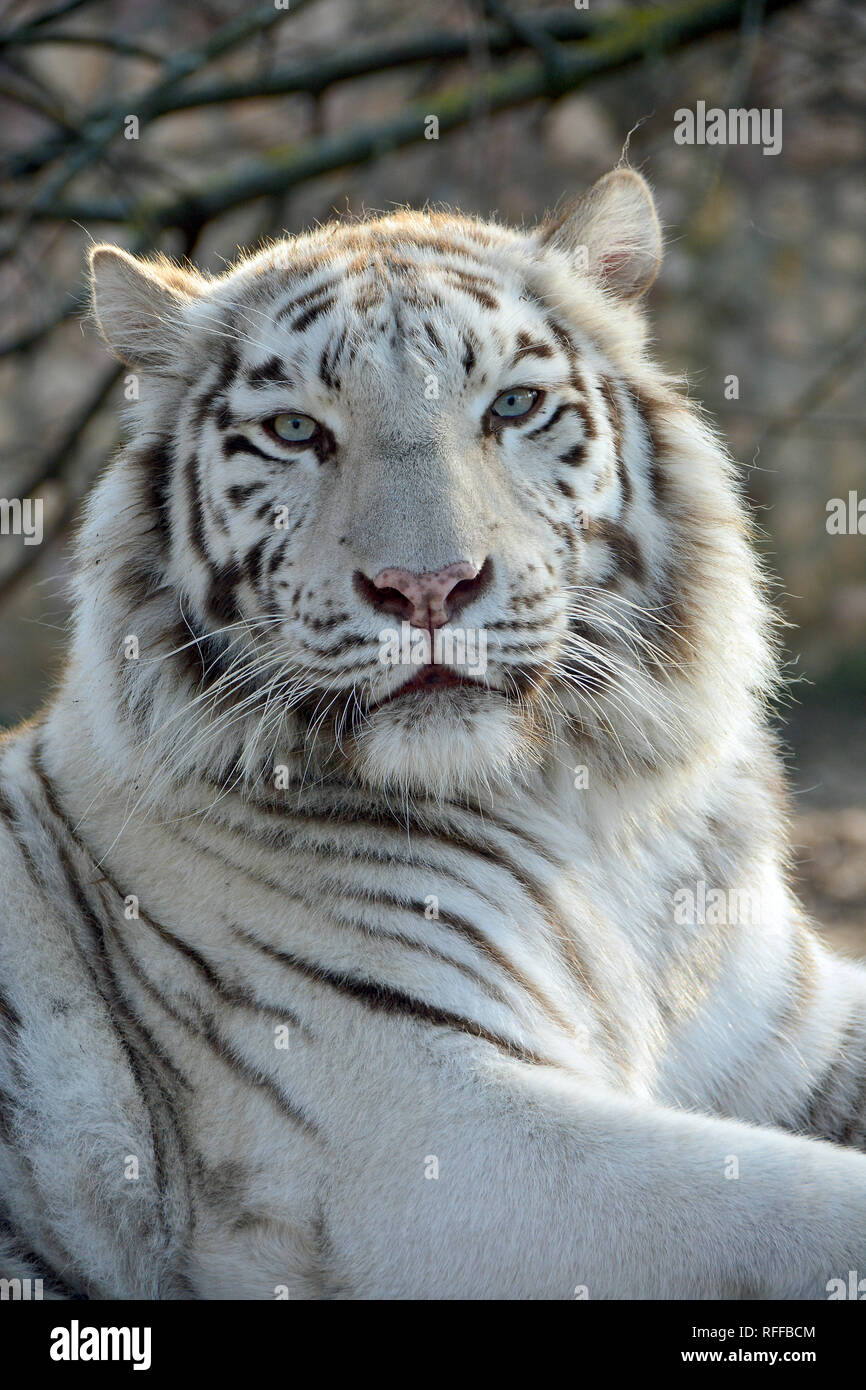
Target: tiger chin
325, 974
446, 744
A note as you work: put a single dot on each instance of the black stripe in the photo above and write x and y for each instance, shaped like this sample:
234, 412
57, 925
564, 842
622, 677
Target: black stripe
609, 391
206, 1030
647, 413
229, 993
239, 444
195, 517
449, 920
383, 998
117, 1010
564, 409
229, 367
270, 372
624, 548
313, 312
574, 456
469, 356
253, 561
10, 1019
221, 601
104, 982
156, 465
239, 493
324, 287
535, 890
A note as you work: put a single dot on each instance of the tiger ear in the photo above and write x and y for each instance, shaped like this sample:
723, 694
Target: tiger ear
139, 305
613, 232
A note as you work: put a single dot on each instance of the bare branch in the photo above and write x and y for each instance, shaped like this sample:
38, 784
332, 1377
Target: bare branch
842, 362
125, 48
22, 35
106, 121
614, 47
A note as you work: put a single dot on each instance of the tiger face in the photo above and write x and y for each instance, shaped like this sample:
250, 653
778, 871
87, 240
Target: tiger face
404, 490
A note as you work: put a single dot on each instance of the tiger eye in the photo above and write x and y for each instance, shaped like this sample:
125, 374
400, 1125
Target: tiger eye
511, 405
295, 429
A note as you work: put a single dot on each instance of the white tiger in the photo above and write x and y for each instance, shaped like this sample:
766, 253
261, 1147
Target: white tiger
329, 975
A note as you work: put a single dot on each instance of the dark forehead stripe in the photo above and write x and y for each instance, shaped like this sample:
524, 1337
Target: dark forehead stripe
202, 405
329, 361
269, 372
479, 287
527, 346
563, 337
371, 296
302, 300
578, 381
228, 368
569, 347
211, 402
421, 296
448, 246
313, 312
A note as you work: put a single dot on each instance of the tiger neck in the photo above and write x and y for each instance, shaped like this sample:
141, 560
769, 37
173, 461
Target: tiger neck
555, 811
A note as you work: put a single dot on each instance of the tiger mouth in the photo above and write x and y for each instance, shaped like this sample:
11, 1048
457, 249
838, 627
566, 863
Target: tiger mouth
430, 677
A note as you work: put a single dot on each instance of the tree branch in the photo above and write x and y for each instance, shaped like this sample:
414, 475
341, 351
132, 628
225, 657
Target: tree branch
125, 48
33, 26
107, 120
613, 48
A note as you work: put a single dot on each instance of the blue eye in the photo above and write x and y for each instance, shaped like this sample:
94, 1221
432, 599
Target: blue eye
511, 405
294, 429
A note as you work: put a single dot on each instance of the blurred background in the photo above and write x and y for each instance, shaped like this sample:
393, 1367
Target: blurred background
195, 129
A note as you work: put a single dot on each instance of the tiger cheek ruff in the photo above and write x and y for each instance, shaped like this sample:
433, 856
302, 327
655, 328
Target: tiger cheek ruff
394, 895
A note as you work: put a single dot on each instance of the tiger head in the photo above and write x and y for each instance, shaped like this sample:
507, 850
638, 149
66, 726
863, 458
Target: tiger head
407, 496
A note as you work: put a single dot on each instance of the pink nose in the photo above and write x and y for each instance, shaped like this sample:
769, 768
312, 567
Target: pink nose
427, 595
